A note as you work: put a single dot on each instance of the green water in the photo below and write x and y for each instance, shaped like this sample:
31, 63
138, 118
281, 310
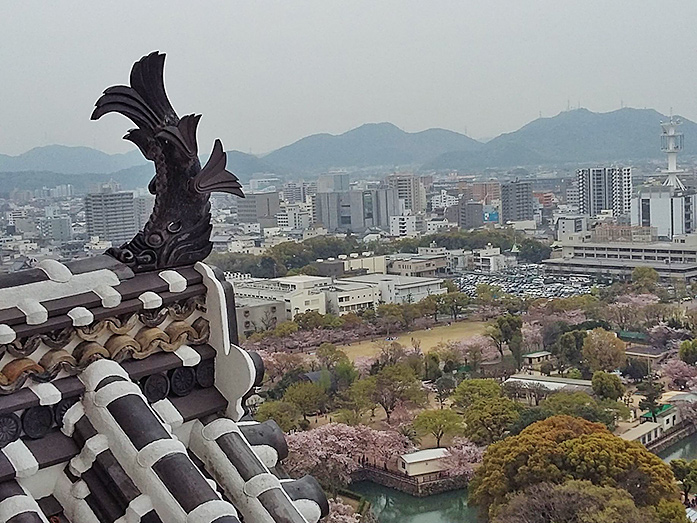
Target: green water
392, 506
685, 449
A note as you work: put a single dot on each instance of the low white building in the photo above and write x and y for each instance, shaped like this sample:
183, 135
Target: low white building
395, 288
489, 259
422, 462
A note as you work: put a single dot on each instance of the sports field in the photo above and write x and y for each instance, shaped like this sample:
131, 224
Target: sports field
429, 338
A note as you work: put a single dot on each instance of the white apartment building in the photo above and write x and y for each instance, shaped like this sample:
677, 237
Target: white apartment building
407, 225
443, 200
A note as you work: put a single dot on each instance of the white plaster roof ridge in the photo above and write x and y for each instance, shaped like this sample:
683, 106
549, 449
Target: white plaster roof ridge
56, 271
52, 290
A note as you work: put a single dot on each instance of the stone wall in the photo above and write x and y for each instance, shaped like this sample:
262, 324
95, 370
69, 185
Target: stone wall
407, 484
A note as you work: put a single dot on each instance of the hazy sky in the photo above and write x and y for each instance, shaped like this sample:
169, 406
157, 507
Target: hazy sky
266, 73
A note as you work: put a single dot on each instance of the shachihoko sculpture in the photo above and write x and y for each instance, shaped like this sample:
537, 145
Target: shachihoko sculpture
178, 231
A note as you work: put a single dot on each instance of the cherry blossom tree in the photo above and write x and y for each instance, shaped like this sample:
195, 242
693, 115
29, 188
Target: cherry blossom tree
679, 373
532, 336
463, 455
332, 452
363, 365
341, 513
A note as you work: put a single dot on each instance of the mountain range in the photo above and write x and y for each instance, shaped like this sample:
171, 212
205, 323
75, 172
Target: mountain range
571, 137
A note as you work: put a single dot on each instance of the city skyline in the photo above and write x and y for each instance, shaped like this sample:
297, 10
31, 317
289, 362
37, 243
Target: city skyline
267, 75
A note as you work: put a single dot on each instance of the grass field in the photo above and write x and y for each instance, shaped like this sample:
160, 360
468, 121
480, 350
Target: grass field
428, 338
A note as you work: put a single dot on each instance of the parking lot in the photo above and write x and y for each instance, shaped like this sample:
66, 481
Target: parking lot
527, 280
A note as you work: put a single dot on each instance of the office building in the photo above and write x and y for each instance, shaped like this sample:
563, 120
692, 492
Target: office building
294, 216
333, 182
471, 215
355, 211
110, 216
516, 201
674, 259
410, 190
604, 188
259, 208
443, 200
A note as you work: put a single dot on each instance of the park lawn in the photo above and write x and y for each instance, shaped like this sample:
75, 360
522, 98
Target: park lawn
429, 338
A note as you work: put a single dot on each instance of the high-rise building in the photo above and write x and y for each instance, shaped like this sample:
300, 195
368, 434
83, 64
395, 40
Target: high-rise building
356, 210
670, 208
259, 208
333, 182
516, 201
471, 215
410, 189
143, 209
604, 188
111, 216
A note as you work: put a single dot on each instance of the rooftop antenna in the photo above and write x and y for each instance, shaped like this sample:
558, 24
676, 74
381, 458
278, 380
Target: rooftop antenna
672, 143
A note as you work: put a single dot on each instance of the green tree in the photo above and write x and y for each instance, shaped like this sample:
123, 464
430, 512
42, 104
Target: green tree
454, 303
439, 423
286, 328
688, 351
568, 349
396, 384
603, 350
607, 386
652, 392
359, 399
309, 320
307, 397
445, 385
488, 419
432, 366
574, 502
504, 330
686, 473
345, 374
584, 406
284, 413
430, 306
470, 391
645, 278
515, 345
329, 356
561, 448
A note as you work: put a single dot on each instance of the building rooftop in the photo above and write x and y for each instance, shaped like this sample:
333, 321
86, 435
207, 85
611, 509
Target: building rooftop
393, 278
538, 354
424, 455
550, 380
638, 432
662, 410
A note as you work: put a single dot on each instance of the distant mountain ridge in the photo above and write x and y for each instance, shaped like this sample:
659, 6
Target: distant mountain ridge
377, 144
62, 159
578, 136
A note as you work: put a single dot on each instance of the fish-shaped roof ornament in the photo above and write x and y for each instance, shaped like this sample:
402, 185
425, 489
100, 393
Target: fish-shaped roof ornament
179, 229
